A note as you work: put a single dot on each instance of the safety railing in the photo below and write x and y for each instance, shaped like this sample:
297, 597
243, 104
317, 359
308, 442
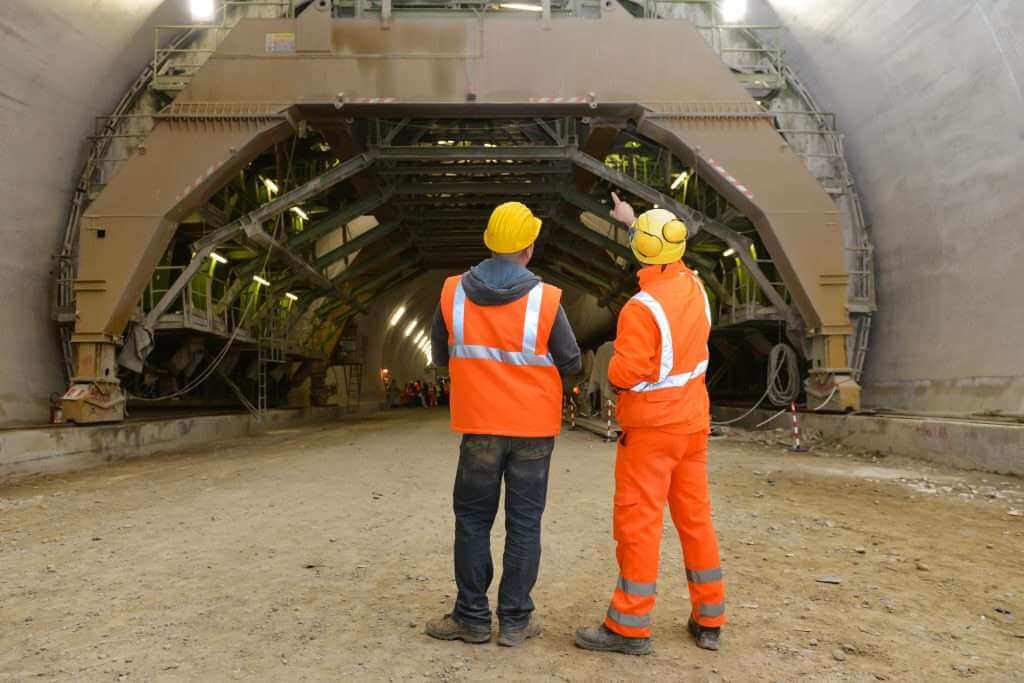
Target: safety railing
175, 62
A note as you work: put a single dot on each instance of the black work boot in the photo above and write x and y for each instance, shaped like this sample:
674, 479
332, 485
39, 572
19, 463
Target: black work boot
706, 636
514, 637
603, 639
446, 628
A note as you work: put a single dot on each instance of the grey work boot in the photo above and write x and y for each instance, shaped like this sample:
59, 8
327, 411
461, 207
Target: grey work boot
446, 628
706, 636
514, 637
602, 639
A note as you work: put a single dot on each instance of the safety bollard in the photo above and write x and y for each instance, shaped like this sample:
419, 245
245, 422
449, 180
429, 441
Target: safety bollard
609, 435
796, 447
572, 414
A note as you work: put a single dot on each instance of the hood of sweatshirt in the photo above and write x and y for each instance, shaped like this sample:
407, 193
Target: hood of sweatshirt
494, 282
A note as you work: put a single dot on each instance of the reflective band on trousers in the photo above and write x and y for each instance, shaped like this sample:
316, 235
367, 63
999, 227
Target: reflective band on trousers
528, 356
712, 609
628, 619
665, 380
704, 575
640, 590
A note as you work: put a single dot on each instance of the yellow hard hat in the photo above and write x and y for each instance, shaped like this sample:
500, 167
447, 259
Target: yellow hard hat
512, 228
658, 237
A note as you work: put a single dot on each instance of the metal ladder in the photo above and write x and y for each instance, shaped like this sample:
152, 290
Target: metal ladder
350, 358
269, 349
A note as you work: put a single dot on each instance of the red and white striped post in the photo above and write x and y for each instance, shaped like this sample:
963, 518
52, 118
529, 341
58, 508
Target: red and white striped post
796, 448
572, 413
609, 435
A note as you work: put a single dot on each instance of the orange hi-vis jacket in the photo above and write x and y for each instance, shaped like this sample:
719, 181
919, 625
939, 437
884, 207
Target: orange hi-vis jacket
661, 352
504, 381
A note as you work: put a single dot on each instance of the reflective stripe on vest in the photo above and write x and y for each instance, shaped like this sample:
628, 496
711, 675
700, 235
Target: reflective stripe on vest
528, 356
665, 380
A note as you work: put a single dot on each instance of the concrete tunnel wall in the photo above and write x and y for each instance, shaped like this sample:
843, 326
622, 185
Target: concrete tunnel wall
930, 97
63, 64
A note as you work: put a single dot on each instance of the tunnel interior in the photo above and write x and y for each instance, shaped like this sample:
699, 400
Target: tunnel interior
388, 235
308, 268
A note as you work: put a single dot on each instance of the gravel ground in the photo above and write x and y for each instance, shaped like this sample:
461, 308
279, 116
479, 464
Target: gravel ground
318, 553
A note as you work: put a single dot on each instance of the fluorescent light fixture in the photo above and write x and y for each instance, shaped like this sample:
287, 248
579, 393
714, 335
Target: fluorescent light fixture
300, 213
396, 316
418, 338
217, 257
202, 10
291, 296
522, 6
260, 281
680, 179
410, 328
489, 144
271, 186
733, 11
728, 252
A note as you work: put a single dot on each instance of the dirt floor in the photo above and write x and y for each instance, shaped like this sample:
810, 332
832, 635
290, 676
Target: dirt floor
319, 553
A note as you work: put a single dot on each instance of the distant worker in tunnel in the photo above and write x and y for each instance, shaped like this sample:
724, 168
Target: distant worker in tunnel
658, 366
506, 341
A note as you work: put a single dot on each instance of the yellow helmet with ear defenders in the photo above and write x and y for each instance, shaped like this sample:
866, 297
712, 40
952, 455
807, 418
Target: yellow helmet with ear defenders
657, 237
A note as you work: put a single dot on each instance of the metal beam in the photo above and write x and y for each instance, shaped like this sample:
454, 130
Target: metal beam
322, 182
511, 153
593, 236
482, 189
475, 169
340, 217
300, 266
364, 240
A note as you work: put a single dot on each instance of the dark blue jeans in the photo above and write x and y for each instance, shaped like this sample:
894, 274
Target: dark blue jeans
483, 461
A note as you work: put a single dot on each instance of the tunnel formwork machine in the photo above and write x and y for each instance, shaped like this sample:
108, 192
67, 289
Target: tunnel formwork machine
295, 126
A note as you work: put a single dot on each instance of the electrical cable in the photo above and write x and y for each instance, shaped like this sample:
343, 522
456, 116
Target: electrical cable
782, 356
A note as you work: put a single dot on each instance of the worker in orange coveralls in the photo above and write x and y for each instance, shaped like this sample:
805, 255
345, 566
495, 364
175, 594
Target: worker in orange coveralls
661, 356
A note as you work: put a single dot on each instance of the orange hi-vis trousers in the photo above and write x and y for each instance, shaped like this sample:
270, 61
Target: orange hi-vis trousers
653, 467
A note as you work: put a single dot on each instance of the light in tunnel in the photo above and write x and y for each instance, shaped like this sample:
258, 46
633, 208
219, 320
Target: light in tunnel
733, 11
260, 281
396, 316
410, 328
521, 6
300, 213
202, 10
680, 179
291, 296
418, 339
217, 257
728, 252
271, 185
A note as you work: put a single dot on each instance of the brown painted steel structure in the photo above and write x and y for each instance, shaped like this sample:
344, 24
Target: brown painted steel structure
658, 76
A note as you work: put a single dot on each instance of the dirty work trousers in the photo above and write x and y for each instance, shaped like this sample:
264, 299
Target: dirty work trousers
653, 467
483, 462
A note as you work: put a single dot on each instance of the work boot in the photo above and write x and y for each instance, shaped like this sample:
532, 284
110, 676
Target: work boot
446, 628
514, 637
603, 639
706, 636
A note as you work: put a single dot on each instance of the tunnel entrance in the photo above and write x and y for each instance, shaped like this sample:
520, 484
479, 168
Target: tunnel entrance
246, 246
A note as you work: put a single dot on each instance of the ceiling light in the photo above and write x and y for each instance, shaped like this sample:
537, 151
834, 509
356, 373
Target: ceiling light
680, 179
217, 257
300, 213
202, 10
271, 185
410, 328
260, 281
522, 6
291, 296
733, 11
396, 316
728, 252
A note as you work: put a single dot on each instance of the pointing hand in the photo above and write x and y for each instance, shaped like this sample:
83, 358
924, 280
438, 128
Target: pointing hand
622, 211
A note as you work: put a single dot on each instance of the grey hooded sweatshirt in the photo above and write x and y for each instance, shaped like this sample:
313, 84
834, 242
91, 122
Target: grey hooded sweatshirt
493, 282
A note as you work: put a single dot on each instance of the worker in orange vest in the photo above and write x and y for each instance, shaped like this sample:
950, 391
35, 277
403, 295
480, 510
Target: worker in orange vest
658, 368
506, 341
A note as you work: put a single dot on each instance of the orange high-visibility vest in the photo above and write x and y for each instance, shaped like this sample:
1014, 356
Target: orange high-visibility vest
678, 397
504, 381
